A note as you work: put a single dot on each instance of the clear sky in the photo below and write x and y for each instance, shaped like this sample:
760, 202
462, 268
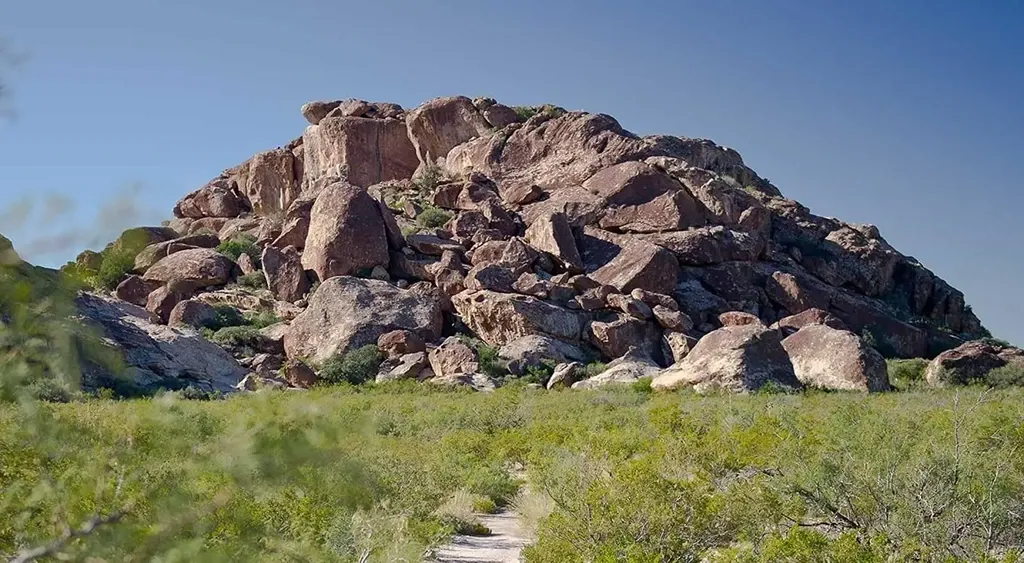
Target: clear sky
908, 115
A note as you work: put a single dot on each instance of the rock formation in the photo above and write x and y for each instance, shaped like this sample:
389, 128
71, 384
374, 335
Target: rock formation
464, 215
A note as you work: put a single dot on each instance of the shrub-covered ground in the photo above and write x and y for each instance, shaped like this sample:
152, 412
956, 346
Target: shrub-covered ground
371, 474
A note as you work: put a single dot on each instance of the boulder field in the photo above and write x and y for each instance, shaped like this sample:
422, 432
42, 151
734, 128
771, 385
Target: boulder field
554, 236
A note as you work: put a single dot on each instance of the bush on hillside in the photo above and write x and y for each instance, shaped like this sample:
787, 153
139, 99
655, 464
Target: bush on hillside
906, 371
238, 245
356, 367
253, 280
432, 218
244, 340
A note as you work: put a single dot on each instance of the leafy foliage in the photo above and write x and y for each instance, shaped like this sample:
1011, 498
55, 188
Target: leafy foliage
355, 367
253, 280
246, 340
903, 372
432, 218
429, 179
236, 246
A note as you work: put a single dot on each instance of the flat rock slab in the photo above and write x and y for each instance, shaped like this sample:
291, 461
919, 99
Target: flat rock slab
504, 545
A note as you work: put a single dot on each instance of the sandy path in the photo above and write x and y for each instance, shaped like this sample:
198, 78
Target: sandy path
502, 546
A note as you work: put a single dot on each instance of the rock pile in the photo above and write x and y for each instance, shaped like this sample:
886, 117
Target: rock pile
561, 227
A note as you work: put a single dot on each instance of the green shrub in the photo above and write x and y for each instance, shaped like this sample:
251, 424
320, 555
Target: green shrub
431, 177
234, 247
593, 369
642, 385
245, 340
356, 367
539, 373
225, 316
906, 371
525, 112
261, 319
253, 280
484, 505
432, 218
117, 264
490, 363
1010, 375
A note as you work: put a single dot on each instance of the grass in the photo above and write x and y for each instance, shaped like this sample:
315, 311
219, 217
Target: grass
381, 473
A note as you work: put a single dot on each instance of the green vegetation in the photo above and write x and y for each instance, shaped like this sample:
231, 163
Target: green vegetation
487, 357
906, 372
525, 112
253, 280
245, 340
432, 218
594, 369
431, 177
358, 366
380, 473
238, 245
109, 267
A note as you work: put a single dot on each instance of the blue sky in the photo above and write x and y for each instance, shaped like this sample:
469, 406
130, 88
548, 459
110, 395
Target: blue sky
908, 115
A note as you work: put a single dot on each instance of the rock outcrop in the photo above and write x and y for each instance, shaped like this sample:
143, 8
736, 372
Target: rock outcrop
972, 362
552, 229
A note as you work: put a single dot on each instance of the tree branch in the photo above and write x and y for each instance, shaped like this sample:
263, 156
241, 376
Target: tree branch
86, 528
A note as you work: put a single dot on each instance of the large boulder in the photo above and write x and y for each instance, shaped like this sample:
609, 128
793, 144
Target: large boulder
838, 360
295, 226
709, 245
642, 198
735, 358
219, 198
627, 263
441, 124
193, 269
501, 318
274, 181
285, 276
157, 356
552, 233
346, 233
536, 349
452, 358
972, 362
361, 150
789, 325
154, 252
614, 337
346, 312
630, 368
135, 290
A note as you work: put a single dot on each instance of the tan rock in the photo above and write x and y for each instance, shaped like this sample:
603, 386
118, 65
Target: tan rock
346, 233
827, 358
971, 362
552, 233
500, 318
437, 126
361, 150
630, 368
285, 275
788, 291
298, 374
217, 199
345, 313
399, 343
738, 318
453, 357
274, 181
733, 358
195, 268
672, 320
789, 325
191, 313
135, 290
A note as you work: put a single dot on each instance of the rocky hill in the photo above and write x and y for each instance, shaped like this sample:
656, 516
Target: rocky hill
551, 236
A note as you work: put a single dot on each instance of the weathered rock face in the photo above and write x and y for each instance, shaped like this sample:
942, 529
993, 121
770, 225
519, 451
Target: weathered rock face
440, 125
642, 198
971, 362
285, 276
627, 264
193, 269
191, 313
501, 318
734, 358
345, 313
536, 349
158, 356
630, 368
346, 233
274, 181
453, 358
552, 233
220, 198
361, 150
789, 325
827, 358
135, 290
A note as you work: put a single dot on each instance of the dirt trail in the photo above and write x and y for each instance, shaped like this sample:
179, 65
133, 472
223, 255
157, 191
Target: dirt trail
502, 546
